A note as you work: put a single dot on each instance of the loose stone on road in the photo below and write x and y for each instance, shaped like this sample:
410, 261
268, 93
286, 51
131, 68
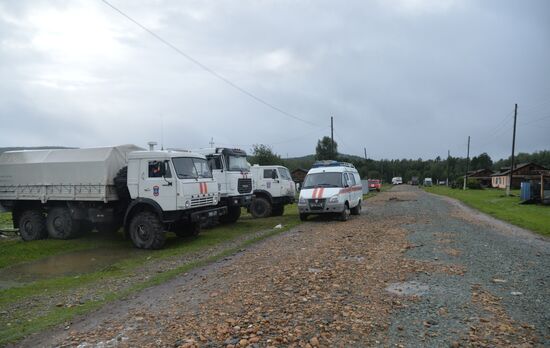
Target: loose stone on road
413, 270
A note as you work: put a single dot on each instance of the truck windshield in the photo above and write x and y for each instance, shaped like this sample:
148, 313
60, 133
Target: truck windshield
284, 174
323, 180
191, 168
237, 163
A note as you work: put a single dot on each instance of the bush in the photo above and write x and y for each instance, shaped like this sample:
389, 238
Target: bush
472, 184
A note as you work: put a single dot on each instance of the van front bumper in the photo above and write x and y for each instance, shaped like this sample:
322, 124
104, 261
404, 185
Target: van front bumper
326, 208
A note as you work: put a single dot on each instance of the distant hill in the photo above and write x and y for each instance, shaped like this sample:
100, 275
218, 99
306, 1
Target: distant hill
4, 149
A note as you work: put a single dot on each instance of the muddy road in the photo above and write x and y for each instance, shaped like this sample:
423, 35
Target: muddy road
413, 270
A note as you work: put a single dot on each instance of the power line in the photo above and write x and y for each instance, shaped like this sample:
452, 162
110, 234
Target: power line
207, 69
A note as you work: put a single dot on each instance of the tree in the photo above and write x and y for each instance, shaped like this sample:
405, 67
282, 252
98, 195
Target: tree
322, 151
263, 155
482, 161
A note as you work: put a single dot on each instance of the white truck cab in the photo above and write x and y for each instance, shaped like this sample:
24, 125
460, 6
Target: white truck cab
331, 187
232, 173
273, 189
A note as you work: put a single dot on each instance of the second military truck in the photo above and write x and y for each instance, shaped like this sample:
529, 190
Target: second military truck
62, 193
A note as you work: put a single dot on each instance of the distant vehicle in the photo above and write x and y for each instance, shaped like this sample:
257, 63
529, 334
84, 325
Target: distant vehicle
331, 187
442, 182
397, 180
375, 184
428, 182
414, 180
63, 193
273, 189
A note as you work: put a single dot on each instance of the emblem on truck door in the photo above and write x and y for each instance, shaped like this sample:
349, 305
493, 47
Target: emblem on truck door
155, 191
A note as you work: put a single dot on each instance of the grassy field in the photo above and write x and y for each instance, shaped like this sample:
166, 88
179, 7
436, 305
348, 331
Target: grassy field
494, 202
23, 319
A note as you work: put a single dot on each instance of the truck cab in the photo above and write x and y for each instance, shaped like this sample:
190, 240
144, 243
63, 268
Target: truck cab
273, 189
232, 173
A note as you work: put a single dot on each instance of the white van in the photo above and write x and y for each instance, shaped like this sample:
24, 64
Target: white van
397, 180
331, 187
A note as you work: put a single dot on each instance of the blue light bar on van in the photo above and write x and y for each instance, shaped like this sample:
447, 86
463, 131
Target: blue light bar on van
320, 164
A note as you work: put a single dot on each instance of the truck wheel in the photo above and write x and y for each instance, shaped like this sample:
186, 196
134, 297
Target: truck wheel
356, 210
278, 210
146, 231
303, 216
32, 225
233, 214
60, 224
344, 215
260, 208
190, 229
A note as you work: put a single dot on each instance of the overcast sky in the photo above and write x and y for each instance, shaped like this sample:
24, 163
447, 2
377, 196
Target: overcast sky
403, 78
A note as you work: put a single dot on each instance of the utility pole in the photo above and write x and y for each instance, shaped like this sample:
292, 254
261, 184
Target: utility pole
366, 171
467, 164
509, 186
448, 160
331, 137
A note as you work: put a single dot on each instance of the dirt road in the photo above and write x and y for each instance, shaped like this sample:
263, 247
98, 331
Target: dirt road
413, 270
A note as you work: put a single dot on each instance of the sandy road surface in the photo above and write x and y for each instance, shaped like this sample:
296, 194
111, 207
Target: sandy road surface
413, 270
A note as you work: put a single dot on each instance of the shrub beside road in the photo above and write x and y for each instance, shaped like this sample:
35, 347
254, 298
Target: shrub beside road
495, 203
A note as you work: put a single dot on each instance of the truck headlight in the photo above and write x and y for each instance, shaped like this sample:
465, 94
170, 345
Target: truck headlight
187, 204
333, 199
215, 199
302, 201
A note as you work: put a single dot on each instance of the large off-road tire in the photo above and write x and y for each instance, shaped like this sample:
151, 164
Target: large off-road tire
303, 216
278, 210
147, 231
344, 215
32, 225
189, 229
260, 208
60, 224
357, 209
233, 214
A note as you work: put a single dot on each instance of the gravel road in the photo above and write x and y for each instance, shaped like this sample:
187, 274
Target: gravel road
413, 270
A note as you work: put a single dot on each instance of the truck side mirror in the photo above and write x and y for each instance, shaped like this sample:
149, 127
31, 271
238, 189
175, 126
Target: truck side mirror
273, 174
162, 169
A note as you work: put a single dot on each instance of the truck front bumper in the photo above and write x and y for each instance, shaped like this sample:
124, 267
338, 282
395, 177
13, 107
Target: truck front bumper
205, 215
239, 201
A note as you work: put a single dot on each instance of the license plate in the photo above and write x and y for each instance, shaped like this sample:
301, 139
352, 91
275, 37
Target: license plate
212, 213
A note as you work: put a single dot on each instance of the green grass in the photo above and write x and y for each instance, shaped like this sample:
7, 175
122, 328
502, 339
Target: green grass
17, 252
5, 221
495, 203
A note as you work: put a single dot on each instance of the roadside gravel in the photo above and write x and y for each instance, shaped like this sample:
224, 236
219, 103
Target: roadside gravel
413, 270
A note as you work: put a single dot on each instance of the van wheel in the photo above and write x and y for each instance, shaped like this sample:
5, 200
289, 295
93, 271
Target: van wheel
278, 210
303, 216
60, 224
233, 214
189, 229
344, 216
260, 208
32, 225
357, 209
146, 231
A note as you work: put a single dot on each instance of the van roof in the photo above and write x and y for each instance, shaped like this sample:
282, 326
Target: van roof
334, 169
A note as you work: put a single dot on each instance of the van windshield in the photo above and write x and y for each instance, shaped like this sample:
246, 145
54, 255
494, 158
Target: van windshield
323, 179
191, 168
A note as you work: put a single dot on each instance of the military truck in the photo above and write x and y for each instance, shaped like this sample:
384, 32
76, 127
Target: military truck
63, 193
273, 189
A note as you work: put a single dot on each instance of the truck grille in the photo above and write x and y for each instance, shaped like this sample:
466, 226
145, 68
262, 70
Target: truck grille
244, 185
201, 201
316, 204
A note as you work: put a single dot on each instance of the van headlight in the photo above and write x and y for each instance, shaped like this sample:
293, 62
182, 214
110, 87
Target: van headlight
187, 204
302, 201
333, 199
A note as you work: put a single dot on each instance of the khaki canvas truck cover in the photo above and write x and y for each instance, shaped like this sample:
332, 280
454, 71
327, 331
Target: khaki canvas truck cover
62, 174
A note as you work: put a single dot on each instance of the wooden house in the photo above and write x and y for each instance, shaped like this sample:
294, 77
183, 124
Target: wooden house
482, 175
521, 172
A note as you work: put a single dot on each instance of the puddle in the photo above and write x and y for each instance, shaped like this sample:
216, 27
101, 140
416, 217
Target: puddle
73, 263
408, 288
